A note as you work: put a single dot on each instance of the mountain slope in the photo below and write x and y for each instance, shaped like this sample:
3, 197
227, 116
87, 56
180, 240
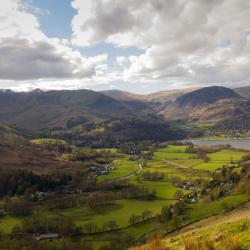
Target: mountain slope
131, 100
17, 153
206, 104
58, 109
206, 96
151, 103
243, 91
124, 95
169, 95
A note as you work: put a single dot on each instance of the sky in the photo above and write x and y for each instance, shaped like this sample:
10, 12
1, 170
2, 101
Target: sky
141, 46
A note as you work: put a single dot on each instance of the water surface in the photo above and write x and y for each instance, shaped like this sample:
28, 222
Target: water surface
235, 143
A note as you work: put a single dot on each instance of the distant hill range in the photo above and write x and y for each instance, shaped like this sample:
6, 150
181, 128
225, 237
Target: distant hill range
220, 105
158, 97
58, 109
84, 117
243, 91
81, 109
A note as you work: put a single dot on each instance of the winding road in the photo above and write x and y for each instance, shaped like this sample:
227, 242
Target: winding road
128, 176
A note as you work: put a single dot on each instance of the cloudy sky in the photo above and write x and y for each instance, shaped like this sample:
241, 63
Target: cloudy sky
141, 46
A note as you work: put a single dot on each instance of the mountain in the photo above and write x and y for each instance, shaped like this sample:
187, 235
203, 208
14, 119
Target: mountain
206, 104
58, 109
159, 97
243, 91
131, 100
204, 96
124, 95
151, 103
169, 95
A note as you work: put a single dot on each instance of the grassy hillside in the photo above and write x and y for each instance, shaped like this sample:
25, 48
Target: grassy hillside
228, 232
18, 153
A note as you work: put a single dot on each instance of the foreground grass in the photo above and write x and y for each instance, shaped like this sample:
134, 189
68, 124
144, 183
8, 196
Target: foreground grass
227, 236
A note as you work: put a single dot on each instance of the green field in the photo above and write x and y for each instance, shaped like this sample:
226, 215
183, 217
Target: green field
8, 222
48, 141
211, 166
173, 152
207, 209
120, 212
164, 189
124, 168
227, 155
174, 149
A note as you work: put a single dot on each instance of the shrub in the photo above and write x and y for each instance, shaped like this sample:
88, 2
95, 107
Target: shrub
156, 244
229, 243
192, 243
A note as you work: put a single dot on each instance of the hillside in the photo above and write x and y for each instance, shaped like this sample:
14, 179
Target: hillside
124, 95
17, 153
169, 95
243, 91
58, 109
161, 96
208, 104
229, 230
204, 96
131, 100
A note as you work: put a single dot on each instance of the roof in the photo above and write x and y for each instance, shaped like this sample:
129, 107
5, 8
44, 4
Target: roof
47, 236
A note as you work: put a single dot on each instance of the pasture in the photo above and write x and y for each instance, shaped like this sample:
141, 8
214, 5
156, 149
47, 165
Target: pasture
124, 167
227, 155
8, 222
119, 212
210, 166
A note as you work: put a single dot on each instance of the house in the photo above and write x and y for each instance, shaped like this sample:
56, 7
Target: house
48, 237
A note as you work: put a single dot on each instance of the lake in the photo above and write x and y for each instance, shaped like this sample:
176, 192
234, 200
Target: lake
243, 143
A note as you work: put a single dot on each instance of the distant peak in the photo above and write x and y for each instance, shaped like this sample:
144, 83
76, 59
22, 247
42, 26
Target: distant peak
207, 95
6, 91
37, 90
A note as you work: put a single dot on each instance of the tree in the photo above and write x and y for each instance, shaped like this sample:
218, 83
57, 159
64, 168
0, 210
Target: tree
146, 215
90, 228
19, 207
110, 225
134, 219
179, 195
166, 213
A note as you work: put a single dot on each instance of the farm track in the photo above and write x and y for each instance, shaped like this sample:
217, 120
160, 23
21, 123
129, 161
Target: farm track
128, 176
175, 164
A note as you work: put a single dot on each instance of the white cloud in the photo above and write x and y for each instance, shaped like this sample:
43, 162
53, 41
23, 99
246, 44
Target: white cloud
204, 42
26, 53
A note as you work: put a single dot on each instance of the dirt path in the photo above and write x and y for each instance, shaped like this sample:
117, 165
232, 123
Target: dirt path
175, 164
242, 212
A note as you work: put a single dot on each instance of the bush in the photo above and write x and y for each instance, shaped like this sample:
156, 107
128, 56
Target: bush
229, 243
156, 244
192, 243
